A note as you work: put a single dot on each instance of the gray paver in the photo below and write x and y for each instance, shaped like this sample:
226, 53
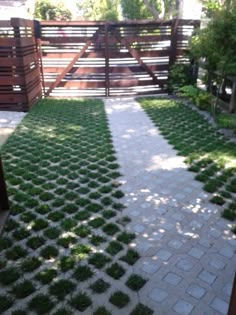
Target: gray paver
196, 252
177, 228
196, 291
184, 265
172, 278
163, 254
158, 295
220, 306
183, 308
207, 276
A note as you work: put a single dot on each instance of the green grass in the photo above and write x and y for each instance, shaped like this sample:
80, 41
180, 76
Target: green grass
102, 311
119, 299
49, 252
115, 271
41, 304
5, 303
9, 275
65, 194
135, 282
126, 237
66, 263
207, 153
30, 264
111, 228
62, 288
81, 301
141, 309
46, 276
130, 257
227, 121
99, 260
23, 289
99, 286
82, 273
114, 248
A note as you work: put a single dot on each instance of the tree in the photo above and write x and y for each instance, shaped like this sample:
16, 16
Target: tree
216, 43
148, 9
99, 10
51, 10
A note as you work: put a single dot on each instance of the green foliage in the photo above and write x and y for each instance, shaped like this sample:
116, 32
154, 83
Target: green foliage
102, 311
179, 76
41, 304
115, 271
215, 44
198, 97
23, 289
62, 288
99, 10
119, 299
141, 309
135, 282
99, 286
5, 303
83, 273
227, 121
81, 301
51, 10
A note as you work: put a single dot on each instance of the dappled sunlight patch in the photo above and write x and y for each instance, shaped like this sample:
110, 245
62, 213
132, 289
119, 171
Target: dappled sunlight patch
67, 229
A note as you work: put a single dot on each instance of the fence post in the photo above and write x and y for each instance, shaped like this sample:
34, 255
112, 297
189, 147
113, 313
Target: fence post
107, 57
4, 204
232, 305
173, 41
15, 23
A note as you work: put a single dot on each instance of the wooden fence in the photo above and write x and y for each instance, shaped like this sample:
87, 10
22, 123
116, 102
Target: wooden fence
87, 58
20, 83
108, 59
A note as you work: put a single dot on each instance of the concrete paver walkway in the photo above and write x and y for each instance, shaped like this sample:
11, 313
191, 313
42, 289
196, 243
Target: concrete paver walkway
8, 122
188, 252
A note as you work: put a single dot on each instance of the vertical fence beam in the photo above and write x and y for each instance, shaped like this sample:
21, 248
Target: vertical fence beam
173, 41
107, 57
232, 305
4, 204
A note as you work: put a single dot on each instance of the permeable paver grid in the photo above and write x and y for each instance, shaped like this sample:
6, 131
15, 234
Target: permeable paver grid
188, 253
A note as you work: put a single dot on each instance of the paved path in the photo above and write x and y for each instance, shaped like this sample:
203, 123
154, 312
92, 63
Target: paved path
8, 122
188, 253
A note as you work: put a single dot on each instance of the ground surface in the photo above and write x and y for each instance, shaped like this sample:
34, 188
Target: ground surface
188, 252
63, 181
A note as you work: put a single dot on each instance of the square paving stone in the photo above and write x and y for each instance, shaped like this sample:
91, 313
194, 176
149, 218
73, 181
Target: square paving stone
196, 253
219, 306
183, 308
163, 254
226, 252
172, 278
207, 277
195, 224
138, 228
184, 265
215, 233
158, 295
196, 291
175, 244
150, 268
216, 263
227, 289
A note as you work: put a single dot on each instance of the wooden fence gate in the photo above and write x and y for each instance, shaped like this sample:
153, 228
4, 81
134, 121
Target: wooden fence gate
110, 59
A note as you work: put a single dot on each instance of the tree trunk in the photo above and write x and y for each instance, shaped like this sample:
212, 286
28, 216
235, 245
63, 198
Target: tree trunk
232, 104
152, 9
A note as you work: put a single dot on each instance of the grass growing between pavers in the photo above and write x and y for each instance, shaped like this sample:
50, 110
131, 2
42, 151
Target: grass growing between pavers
208, 153
65, 243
